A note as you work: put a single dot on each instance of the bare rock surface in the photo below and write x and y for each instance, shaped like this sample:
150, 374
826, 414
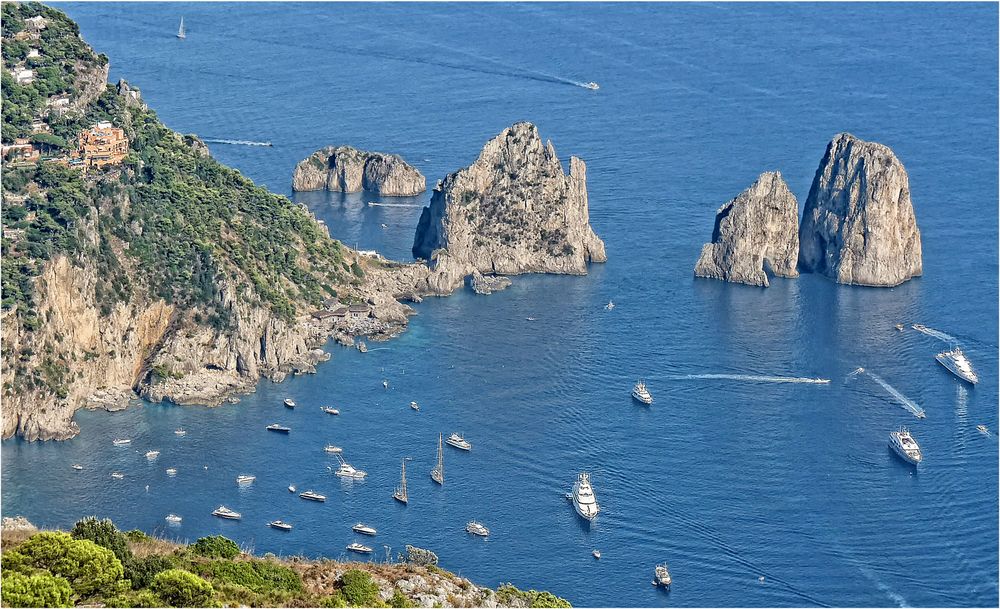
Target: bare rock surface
754, 233
512, 211
347, 169
858, 226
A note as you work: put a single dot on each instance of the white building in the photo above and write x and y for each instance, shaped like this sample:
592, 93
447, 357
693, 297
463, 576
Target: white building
33, 53
24, 77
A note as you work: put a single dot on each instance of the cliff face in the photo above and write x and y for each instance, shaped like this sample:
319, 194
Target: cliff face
757, 228
512, 211
858, 226
347, 169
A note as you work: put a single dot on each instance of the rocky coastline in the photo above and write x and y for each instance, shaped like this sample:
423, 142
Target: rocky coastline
347, 169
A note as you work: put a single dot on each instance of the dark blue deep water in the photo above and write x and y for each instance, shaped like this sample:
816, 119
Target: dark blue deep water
726, 480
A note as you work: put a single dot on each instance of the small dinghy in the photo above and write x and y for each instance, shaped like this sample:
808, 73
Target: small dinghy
291, 488
77, 466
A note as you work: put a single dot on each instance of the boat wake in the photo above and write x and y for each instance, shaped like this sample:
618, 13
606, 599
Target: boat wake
753, 378
948, 338
902, 399
374, 204
235, 142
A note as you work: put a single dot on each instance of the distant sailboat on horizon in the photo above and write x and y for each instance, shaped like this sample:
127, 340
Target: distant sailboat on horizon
180, 30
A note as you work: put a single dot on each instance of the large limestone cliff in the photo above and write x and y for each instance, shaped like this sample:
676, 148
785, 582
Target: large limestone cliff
754, 233
512, 211
347, 169
858, 226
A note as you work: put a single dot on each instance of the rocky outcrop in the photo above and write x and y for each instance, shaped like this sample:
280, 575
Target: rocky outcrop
512, 211
487, 284
347, 169
755, 233
858, 226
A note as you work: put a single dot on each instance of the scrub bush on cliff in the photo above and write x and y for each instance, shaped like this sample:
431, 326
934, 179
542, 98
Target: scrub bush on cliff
41, 590
216, 546
180, 588
89, 568
359, 589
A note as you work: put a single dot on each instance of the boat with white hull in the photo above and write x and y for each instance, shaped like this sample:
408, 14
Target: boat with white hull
458, 441
584, 500
346, 470
905, 446
437, 474
641, 393
958, 364
224, 512
364, 529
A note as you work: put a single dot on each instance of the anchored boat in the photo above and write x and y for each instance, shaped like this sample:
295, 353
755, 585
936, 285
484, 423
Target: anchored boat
224, 512
245, 479
180, 432
278, 428
359, 548
437, 474
584, 500
173, 518
477, 528
330, 448
641, 393
330, 410
289, 403
312, 496
661, 576
415, 406
458, 441
346, 470
121, 441
363, 529
401, 495
152, 454
280, 525
905, 446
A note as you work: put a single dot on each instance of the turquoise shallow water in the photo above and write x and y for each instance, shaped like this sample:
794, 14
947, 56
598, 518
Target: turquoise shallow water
725, 479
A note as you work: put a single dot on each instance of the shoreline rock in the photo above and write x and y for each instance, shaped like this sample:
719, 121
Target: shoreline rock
512, 211
754, 233
487, 284
858, 225
347, 169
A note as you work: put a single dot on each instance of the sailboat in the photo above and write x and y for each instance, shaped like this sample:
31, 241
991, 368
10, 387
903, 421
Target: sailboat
437, 474
400, 494
180, 30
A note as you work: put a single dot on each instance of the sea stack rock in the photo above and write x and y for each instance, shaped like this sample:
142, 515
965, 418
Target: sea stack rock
858, 225
512, 211
754, 233
346, 169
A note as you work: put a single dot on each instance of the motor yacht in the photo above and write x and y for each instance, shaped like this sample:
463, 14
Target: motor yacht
958, 364
415, 406
281, 525
152, 454
312, 496
77, 466
899, 327
584, 500
278, 428
346, 470
180, 432
905, 446
596, 554
173, 518
330, 410
458, 441
224, 512
171, 471
330, 448
641, 393
661, 576
477, 528
117, 475
291, 488
121, 441
363, 529
359, 548
289, 403
245, 479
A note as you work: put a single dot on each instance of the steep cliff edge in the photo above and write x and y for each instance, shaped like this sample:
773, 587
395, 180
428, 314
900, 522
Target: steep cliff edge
858, 226
512, 211
757, 228
347, 169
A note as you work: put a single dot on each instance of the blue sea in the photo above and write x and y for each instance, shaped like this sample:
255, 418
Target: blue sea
728, 480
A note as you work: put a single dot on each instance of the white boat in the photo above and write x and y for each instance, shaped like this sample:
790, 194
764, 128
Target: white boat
415, 406
278, 428
77, 466
477, 528
171, 471
610, 305
593, 86
981, 428
180, 30
899, 327
661, 576
958, 364
245, 479
346, 470
641, 393
330, 448
312, 496
152, 454
173, 518
384, 225
359, 548
330, 410
362, 347
385, 383
437, 474
180, 432
584, 500
224, 512
905, 446
400, 494
121, 441
289, 403
291, 488
596, 554
280, 525
458, 441
117, 475
363, 529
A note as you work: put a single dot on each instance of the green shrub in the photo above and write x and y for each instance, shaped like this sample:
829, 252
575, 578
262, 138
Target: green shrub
141, 571
547, 599
216, 546
105, 534
334, 600
179, 588
140, 598
256, 575
135, 535
88, 567
359, 589
42, 590
399, 599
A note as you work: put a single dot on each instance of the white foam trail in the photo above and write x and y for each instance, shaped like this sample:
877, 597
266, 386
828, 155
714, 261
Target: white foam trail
754, 378
895, 596
236, 142
373, 204
905, 401
948, 338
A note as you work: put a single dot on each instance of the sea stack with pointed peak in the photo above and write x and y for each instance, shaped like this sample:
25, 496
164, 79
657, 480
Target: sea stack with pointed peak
512, 211
858, 226
347, 169
754, 233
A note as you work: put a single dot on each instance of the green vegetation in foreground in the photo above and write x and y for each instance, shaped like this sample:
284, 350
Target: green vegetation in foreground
97, 563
